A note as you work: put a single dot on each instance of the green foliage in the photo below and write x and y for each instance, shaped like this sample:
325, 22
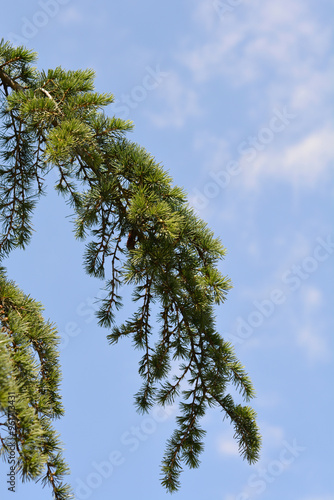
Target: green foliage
136, 223
29, 389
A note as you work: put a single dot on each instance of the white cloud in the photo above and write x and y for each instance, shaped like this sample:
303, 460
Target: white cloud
180, 103
227, 446
207, 61
71, 15
312, 297
285, 50
272, 435
309, 88
301, 163
307, 159
313, 344
285, 35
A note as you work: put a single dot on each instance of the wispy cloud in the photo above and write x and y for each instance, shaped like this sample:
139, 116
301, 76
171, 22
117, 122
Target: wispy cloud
70, 16
312, 297
178, 103
280, 35
313, 344
280, 53
301, 163
227, 446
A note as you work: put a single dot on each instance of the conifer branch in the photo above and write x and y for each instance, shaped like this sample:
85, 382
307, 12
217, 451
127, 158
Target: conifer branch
7, 81
139, 231
30, 346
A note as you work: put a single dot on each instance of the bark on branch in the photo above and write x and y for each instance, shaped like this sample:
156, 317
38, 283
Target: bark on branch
9, 82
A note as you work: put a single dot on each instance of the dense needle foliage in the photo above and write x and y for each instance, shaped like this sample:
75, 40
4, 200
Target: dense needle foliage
29, 385
139, 230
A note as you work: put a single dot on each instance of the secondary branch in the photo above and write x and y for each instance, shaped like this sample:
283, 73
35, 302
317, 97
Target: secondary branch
9, 82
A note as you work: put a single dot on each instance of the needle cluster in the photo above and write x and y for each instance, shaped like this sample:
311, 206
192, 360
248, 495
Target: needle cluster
139, 231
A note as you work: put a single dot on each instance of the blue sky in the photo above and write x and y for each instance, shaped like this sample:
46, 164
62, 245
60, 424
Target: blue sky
234, 98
